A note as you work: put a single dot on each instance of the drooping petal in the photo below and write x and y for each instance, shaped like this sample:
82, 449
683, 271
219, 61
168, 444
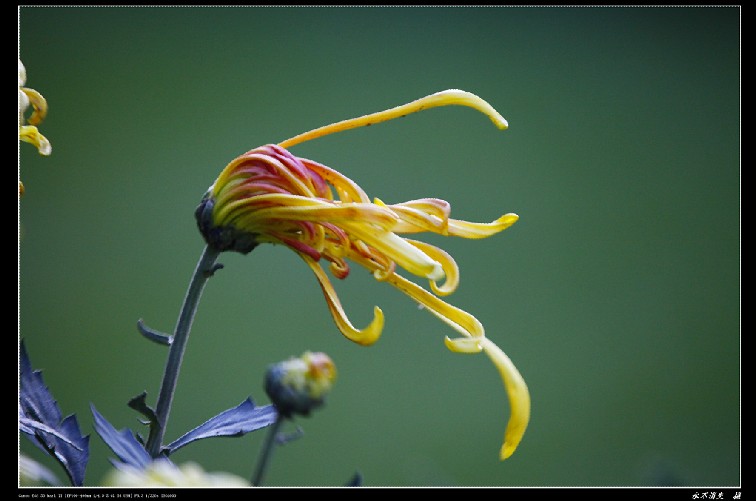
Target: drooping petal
474, 341
518, 394
458, 319
366, 336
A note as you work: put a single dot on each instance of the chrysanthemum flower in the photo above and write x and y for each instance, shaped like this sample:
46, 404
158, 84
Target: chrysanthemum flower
269, 195
29, 133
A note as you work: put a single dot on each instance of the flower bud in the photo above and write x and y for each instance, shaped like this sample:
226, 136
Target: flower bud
298, 385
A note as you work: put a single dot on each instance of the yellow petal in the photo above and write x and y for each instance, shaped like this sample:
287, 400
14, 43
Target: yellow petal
443, 98
467, 229
38, 103
426, 214
451, 270
406, 255
366, 336
458, 319
463, 344
474, 341
30, 134
368, 215
518, 394
413, 220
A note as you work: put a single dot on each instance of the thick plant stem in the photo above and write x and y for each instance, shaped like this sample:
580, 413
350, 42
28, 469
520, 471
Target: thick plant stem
266, 451
202, 272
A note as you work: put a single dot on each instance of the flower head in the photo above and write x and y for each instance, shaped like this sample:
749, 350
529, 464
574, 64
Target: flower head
269, 195
29, 133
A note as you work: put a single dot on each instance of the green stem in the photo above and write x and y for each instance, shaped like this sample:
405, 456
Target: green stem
267, 451
202, 272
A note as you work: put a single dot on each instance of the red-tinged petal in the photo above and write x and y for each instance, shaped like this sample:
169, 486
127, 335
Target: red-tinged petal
348, 190
414, 220
316, 184
290, 171
301, 248
435, 206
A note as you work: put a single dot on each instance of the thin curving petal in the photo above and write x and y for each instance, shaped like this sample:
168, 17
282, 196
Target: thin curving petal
465, 229
366, 336
443, 98
518, 394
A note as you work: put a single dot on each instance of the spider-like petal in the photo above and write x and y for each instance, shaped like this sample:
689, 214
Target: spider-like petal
518, 394
366, 336
270, 195
467, 229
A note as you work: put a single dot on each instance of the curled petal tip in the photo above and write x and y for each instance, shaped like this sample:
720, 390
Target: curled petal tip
372, 332
366, 336
464, 98
463, 345
436, 273
507, 220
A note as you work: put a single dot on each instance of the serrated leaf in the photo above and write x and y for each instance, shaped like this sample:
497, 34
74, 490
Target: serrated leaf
240, 420
41, 420
123, 443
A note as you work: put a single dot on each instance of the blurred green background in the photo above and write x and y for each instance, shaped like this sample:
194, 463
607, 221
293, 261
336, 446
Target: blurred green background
617, 294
